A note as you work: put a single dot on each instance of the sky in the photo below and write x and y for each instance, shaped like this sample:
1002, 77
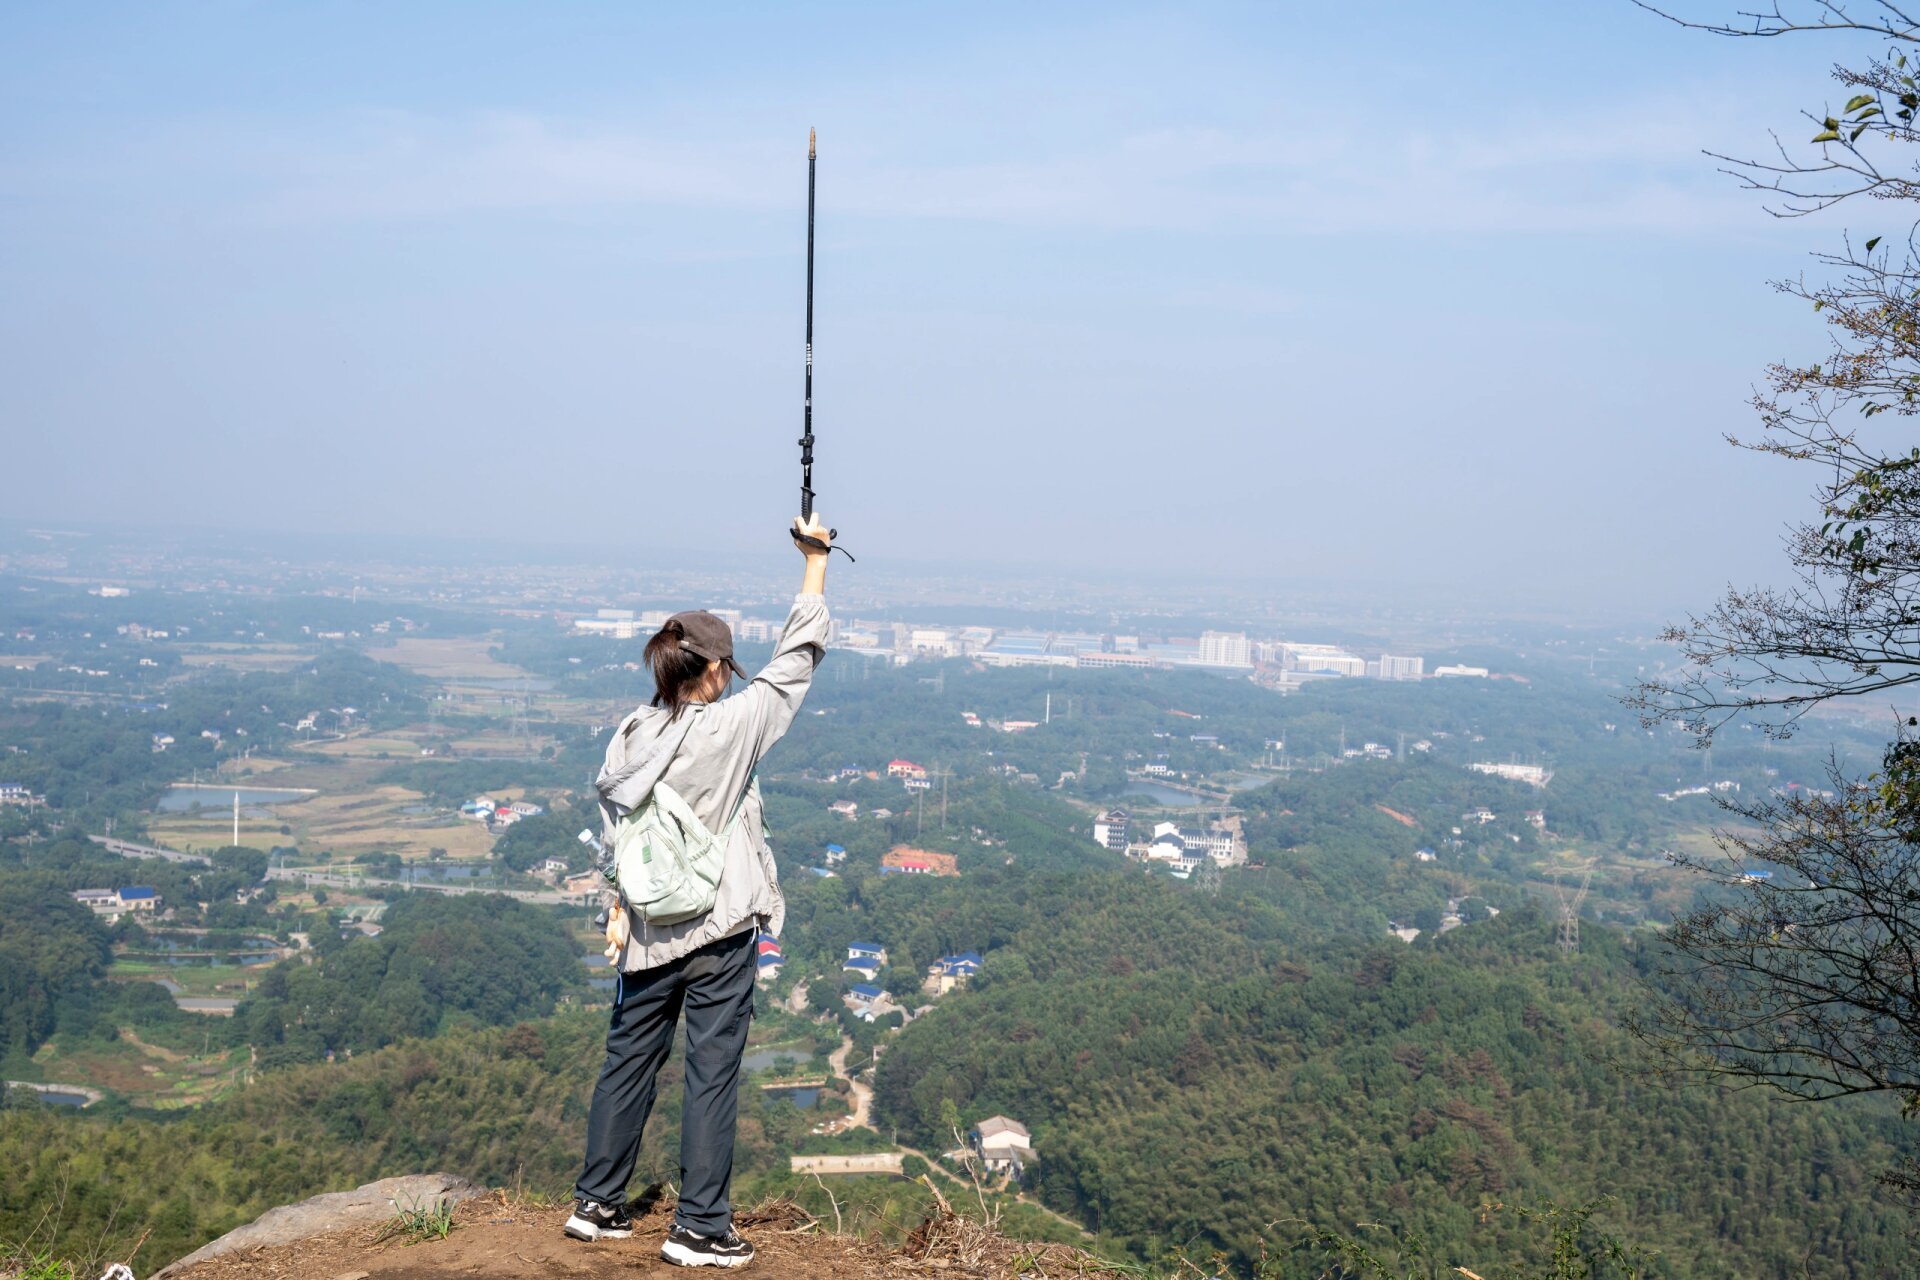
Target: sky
1392, 295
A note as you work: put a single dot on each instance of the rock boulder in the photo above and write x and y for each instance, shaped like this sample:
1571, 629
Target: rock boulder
363, 1206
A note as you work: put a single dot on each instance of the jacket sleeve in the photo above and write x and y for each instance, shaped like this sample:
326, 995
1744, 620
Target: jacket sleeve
773, 698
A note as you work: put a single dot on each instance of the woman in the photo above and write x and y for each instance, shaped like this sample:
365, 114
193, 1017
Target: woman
704, 748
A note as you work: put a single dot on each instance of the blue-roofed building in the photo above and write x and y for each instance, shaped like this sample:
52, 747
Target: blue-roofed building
835, 854
822, 872
948, 972
864, 967
866, 951
140, 898
864, 995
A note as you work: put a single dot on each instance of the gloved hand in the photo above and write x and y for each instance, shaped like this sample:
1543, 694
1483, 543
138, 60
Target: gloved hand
617, 934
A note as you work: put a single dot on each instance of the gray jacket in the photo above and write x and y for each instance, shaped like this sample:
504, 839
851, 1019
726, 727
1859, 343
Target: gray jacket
708, 757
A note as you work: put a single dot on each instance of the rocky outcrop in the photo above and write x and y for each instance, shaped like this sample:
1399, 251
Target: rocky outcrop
363, 1206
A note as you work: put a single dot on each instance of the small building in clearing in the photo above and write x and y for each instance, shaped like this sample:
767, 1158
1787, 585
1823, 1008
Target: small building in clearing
1003, 1145
903, 859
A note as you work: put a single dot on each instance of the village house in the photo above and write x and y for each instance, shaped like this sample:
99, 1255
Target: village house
948, 972
768, 957
905, 769
845, 808
866, 952
904, 860
1002, 1145
111, 904
14, 793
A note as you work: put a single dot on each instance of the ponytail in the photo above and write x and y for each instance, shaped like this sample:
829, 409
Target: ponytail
677, 672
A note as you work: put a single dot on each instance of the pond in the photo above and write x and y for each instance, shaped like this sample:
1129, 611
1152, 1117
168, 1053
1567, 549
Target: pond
761, 1059
1163, 795
59, 1098
801, 1098
206, 1004
185, 799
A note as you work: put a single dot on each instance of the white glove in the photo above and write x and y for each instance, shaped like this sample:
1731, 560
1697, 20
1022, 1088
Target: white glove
617, 935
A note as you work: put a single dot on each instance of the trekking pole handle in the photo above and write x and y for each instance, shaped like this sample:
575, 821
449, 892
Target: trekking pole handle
808, 540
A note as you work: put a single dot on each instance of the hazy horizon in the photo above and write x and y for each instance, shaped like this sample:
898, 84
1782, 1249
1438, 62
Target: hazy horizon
1440, 301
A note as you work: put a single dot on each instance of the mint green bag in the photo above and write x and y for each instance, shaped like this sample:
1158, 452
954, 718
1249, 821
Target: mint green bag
666, 863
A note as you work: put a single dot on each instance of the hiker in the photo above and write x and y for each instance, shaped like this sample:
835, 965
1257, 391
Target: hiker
704, 747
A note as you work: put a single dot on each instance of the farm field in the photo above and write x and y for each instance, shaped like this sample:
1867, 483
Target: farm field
352, 814
150, 1074
451, 658
203, 980
246, 657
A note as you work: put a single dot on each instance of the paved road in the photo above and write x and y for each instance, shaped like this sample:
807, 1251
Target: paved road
880, 1162
862, 1093
553, 896
127, 849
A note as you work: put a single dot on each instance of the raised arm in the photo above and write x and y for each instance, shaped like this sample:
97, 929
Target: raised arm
814, 581
772, 699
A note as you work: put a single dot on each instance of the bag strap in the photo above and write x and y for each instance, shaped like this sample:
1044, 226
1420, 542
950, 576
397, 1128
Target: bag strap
677, 807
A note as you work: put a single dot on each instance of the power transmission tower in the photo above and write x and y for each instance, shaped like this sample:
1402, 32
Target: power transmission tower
943, 773
1569, 931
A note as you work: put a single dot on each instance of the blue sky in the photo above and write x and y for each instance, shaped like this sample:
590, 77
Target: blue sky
1398, 293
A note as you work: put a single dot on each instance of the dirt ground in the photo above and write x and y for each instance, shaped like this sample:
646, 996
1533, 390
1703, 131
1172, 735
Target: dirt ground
494, 1238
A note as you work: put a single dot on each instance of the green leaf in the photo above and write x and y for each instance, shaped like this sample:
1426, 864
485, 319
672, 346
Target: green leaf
1858, 101
1868, 114
1827, 135
1855, 135
1871, 243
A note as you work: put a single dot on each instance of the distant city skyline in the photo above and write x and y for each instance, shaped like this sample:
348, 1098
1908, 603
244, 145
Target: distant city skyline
1254, 292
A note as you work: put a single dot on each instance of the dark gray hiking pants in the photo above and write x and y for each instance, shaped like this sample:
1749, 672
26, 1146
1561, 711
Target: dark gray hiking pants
714, 987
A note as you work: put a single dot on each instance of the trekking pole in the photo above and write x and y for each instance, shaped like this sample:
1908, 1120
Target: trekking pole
806, 434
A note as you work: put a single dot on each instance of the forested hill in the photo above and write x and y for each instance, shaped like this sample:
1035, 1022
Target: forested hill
1190, 1080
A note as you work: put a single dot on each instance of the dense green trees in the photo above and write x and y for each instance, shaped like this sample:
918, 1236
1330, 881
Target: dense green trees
51, 950
440, 961
1188, 1086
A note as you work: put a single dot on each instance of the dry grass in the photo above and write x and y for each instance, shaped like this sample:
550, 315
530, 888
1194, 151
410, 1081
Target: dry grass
453, 658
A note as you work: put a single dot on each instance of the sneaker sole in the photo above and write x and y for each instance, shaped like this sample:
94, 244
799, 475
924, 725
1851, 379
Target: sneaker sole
581, 1229
681, 1256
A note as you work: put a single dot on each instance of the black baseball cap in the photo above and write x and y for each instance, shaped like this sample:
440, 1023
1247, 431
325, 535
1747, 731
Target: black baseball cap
706, 636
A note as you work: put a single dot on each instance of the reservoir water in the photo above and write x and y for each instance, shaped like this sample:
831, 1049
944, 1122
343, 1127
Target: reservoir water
801, 1098
55, 1098
1162, 795
761, 1059
184, 799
